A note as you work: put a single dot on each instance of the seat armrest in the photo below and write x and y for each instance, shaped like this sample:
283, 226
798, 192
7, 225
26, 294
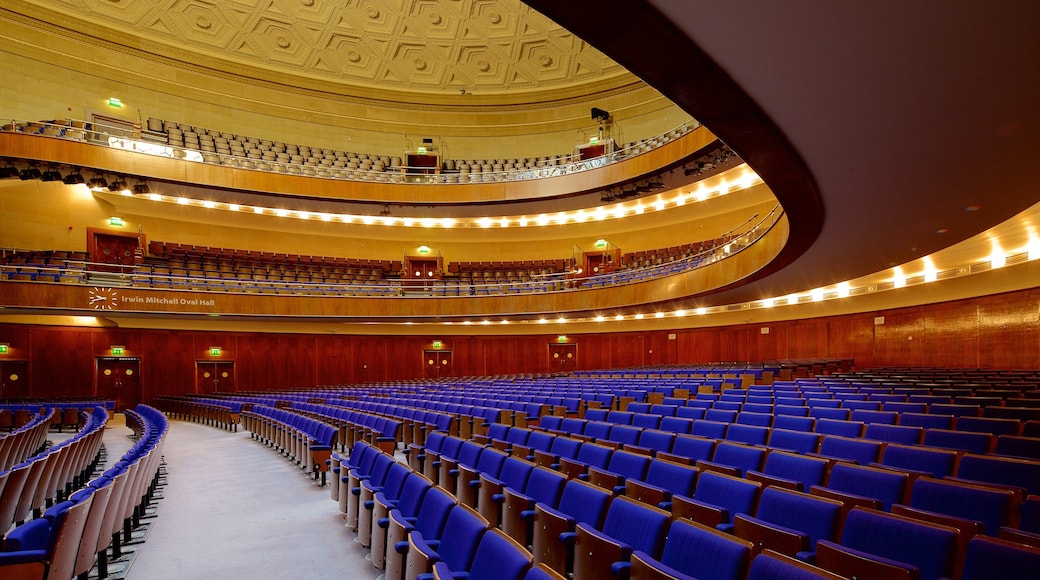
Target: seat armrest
770, 536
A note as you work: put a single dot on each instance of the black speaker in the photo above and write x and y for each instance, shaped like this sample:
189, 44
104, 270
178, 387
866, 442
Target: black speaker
599, 114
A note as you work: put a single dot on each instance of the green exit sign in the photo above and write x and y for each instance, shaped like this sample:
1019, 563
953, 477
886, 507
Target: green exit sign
3, 348
117, 351
214, 351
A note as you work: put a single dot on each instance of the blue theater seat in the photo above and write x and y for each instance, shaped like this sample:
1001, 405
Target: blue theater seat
737, 456
995, 558
490, 496
748, 434
796, 441
543, 486
840, 428
707, 428
695, 551
498, 556
623, 465
553, 539
690, 449
935, 462
678, 425
1014, 446
794, 423
902, 434
991, 506
861, 451
991, 425
429, 521
589, 454
958, 440
791, 471
629, 526
655, 441
716, 499
880, 545
662, 480
407, 504
880, 485
790, 522
626, 435
769, 565
926, 421
455, 547
1010, 471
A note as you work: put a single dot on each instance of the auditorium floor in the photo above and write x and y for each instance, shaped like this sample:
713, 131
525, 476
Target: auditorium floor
234, 508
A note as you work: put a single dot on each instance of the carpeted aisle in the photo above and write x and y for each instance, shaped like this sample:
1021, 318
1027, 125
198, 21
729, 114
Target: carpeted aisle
234, 508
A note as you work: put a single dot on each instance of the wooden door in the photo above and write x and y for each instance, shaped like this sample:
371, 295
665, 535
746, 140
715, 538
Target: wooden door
118, 379
118, 252
436, 364
214, 376
14, 379
563, 357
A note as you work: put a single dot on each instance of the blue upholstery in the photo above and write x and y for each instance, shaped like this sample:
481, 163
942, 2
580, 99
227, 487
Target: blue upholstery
458, 541
990, 506
573, 425
628, 465
583, 503
794, 423
955, 410
815, 518
796, 441
888, 487
1025, 447
894, 433
646, 420
806, 471
625, 434
431, 517
664, 410
695, 448
840, 428
992, 425
959, 440
596, 414
706, 428
992, 558
566, 447
868, 417
409, 500
749, 434
828, 412
932, 549
620, 417
861, 451
927, 421
498, 431
720, 415
1023, 473
743, 457
545, 486
691, 412
746, 417
657, 440
550, 422
696, 551
1030, 515
670, 478
771, 566
541, 441
732, 494
598, 429
514, 474
633, 524
497, 557
676, 424
936, 462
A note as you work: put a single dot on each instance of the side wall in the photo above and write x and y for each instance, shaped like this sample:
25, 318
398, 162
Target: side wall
1000, 331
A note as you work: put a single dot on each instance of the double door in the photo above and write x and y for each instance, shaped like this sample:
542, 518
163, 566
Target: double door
118, 379
214, 376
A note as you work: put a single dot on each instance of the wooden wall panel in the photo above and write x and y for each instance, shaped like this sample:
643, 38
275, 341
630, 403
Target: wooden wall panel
61, 362
1000, 331
1008, 335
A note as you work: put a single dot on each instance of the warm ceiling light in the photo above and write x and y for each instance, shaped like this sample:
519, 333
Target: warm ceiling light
997, 258
680, 313
767, 303
183, 201
98, 183
898, 278
639, 316
844, 290
817, 294
233, 207
1033, 247
258, 210
208, 204
599, 318
930, 273
659, 315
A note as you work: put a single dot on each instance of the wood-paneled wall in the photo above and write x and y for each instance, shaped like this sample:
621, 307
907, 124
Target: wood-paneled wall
1000, 331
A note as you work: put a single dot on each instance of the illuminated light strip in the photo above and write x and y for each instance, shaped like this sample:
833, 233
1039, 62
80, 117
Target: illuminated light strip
748, 179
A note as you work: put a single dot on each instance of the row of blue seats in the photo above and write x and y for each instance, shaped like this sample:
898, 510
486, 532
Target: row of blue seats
72, 534
886, 480
748, 445
25, 440
637, 531
974, 434
304, 440
35, 483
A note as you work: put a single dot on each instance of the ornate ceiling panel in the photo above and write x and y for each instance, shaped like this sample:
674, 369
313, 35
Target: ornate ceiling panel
445, 46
